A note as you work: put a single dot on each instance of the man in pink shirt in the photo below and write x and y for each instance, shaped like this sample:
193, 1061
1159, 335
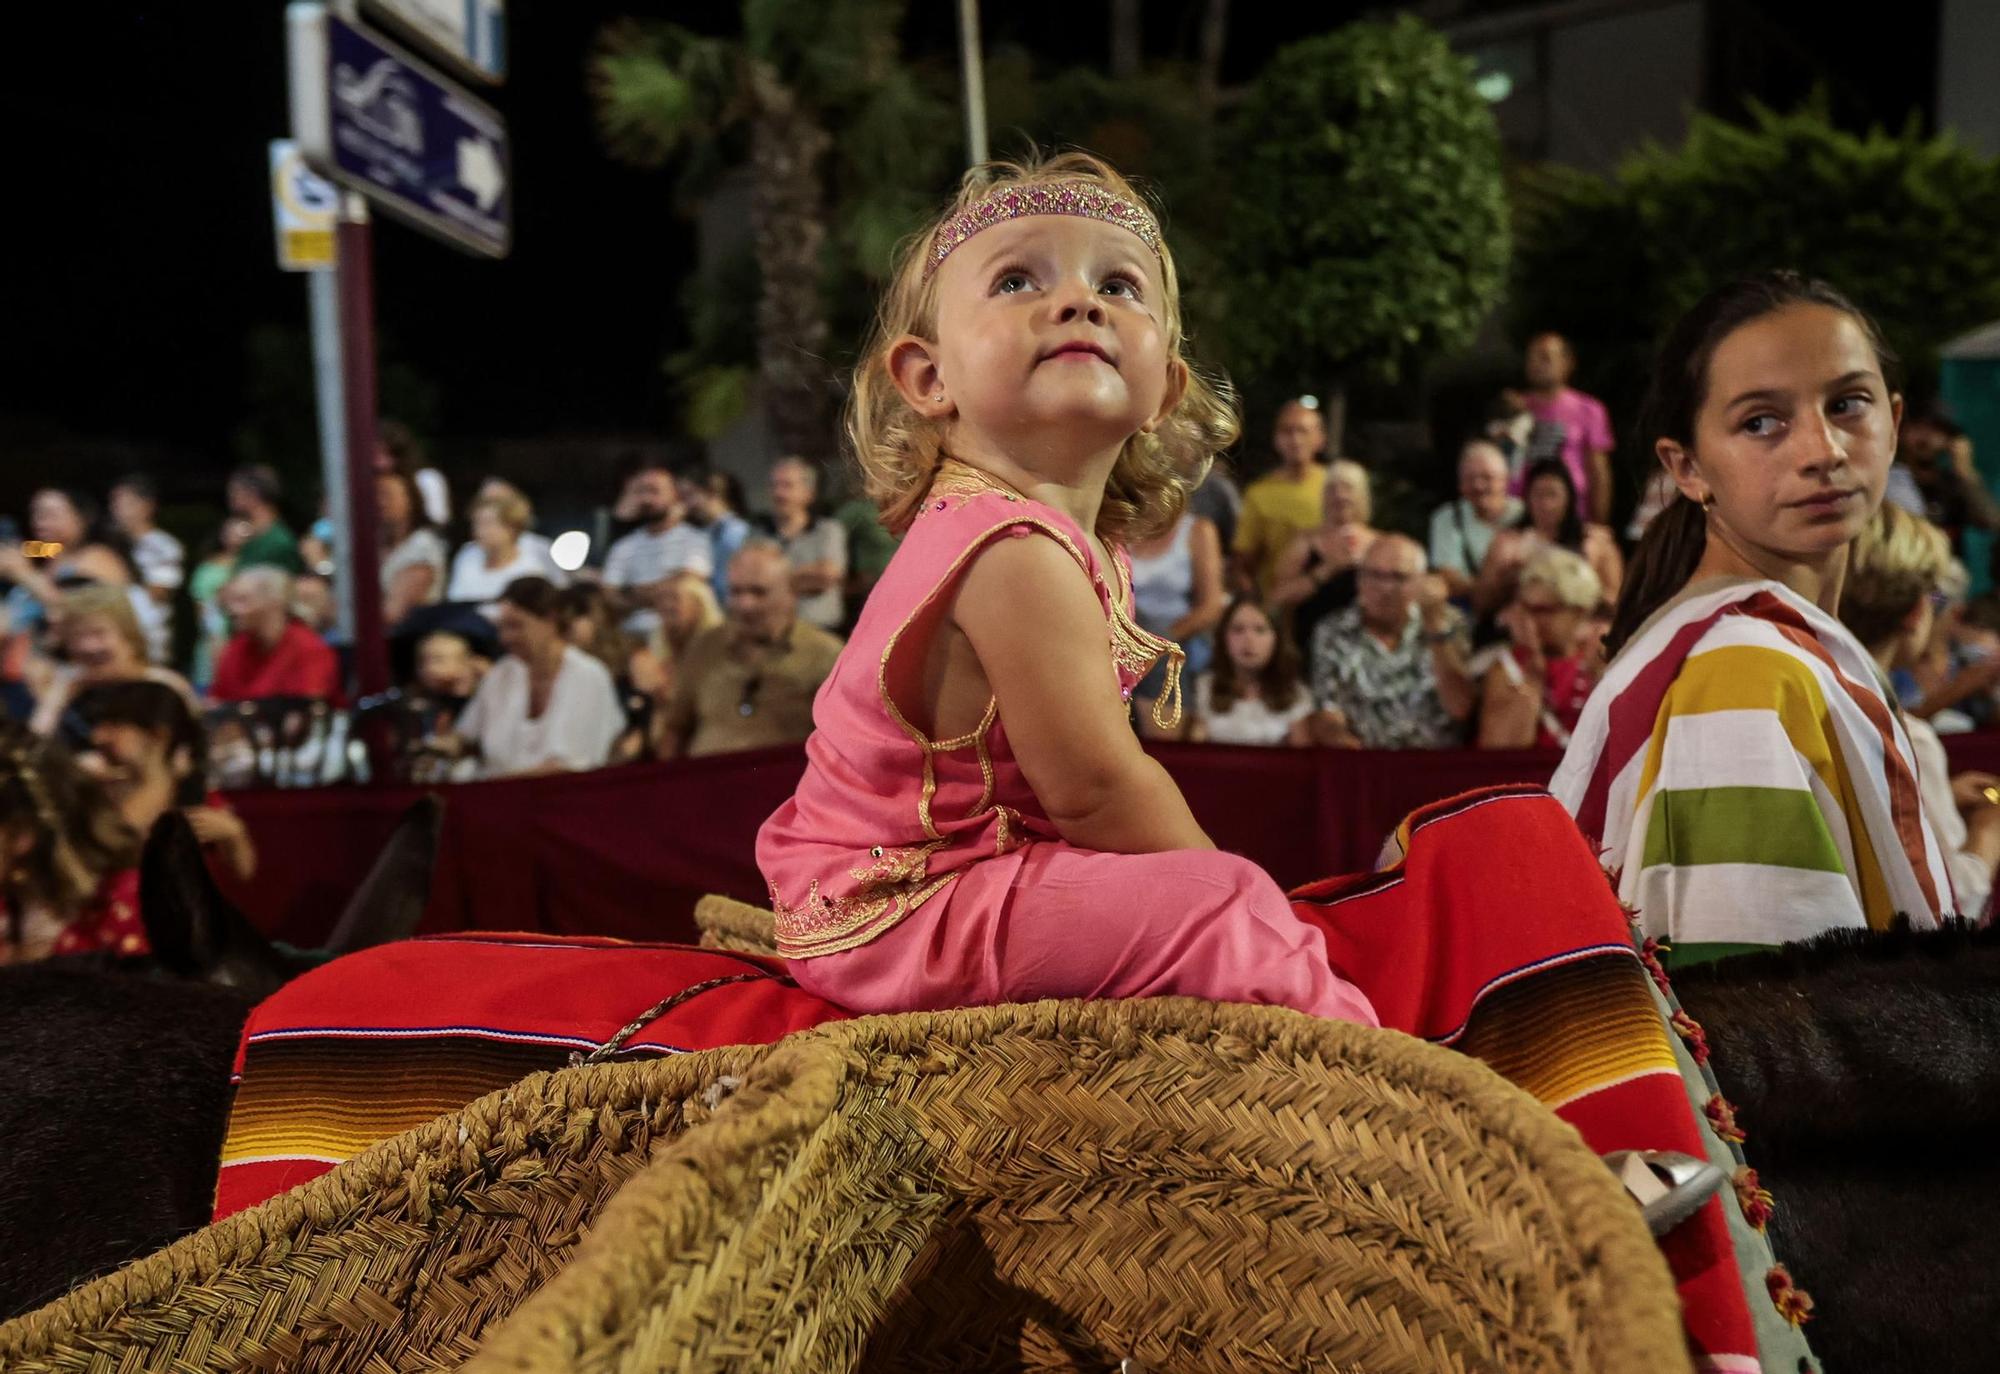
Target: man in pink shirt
1581, 421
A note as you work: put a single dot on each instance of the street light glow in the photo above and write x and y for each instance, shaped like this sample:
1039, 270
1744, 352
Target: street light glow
570, 549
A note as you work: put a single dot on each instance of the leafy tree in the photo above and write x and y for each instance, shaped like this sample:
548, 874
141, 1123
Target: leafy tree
1369, 226
808, 98
1907, 225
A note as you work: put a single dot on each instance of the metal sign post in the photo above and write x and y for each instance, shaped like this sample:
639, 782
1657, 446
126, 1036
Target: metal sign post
390, 128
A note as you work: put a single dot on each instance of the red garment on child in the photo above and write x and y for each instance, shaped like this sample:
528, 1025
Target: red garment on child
110, 923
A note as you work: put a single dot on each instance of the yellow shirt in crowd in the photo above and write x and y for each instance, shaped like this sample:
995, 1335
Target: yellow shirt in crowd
1276, 510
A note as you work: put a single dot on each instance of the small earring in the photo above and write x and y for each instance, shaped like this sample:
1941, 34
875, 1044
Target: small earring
938, 397
1708, 500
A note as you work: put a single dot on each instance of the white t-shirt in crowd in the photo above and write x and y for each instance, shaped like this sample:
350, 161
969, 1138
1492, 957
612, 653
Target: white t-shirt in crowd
1971, 879
420, 548
583, 719
1249, 720
642, 558
472, 580
159, 558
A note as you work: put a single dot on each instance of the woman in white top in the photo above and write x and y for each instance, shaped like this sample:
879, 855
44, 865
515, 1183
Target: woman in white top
1177, 594
499, 550
413, 555
1256, 693
547, 706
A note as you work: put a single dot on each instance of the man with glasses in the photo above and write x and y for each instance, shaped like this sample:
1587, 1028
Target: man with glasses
1390, 671
749, 683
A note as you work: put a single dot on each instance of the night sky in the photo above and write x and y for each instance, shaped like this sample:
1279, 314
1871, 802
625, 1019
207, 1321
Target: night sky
143, 241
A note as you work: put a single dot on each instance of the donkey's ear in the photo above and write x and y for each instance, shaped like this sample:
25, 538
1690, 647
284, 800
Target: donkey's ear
178, 900
194, 930
391, 899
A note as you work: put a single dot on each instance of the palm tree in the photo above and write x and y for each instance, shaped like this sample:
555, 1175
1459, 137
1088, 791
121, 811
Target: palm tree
766, 102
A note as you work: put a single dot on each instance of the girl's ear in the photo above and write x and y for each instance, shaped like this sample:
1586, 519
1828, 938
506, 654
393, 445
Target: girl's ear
1896, 411
1680, 466
913, 367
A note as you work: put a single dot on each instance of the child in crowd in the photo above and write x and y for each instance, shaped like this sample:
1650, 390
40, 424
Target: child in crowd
1256, 693
68, 859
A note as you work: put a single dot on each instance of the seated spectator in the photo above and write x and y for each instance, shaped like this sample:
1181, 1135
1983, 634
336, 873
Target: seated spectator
546, 706
142, 741
1390, 672
69, 873
1934, 476
635, 672
687, 609
448, 670
205, 586
1534, 691
536, 545
1285, 502
1177, 594
1462, 530
1254, 694
712, 501
397, 449
870, 546
271, 654
1316, 575
98, 639
135, 506
59, 526
814, 544
413, 556
663, 546
253, 494
1894, 574
749, 682
1552, 520
498, 551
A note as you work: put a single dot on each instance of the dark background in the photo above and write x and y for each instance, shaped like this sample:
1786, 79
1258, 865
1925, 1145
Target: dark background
141, 247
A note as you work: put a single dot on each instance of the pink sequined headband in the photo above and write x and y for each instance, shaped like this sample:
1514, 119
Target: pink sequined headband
1085, 198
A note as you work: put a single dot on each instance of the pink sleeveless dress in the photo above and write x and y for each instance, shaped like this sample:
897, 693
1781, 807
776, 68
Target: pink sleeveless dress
909, 873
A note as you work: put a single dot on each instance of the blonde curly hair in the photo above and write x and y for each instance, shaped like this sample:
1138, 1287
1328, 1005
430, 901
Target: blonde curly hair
898, 451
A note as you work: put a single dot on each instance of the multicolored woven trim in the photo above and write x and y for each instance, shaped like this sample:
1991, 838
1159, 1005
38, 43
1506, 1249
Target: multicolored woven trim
1085, 198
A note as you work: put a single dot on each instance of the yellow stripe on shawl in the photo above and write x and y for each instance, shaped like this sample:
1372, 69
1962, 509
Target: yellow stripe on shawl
1748, 677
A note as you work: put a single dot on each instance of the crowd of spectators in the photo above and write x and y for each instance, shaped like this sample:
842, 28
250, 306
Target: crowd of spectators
707, 628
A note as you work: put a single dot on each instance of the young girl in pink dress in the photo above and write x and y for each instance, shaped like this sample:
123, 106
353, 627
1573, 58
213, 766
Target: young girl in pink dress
977, 822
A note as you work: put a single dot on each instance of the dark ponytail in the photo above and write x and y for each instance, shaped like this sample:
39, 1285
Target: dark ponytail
1672, 547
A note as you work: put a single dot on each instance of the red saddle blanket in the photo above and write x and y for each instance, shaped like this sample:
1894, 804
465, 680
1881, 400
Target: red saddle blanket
381, 1042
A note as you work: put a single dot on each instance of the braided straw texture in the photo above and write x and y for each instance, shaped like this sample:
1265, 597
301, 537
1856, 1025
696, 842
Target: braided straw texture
728, 924
400, 1258
1061, 1185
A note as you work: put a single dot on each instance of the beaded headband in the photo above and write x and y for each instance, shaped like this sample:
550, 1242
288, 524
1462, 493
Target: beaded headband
1085, 198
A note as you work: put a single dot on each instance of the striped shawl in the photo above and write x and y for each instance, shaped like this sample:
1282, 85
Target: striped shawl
1748, 780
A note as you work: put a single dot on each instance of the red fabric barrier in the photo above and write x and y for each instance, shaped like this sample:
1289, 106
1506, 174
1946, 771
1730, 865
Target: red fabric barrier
627, 852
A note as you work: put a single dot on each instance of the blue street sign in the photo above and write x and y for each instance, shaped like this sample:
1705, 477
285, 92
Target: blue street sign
406, 137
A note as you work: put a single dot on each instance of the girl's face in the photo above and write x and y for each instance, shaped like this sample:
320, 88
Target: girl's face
1047, 325
1250, 639
96, 647
52, 519
1548, 504
1795, 436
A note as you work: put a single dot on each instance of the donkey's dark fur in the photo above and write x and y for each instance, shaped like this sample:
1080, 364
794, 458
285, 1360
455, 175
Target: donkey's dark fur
1866, 1072
117, 1070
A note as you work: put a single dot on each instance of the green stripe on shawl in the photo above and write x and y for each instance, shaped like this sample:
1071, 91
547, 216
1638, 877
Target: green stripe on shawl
1777, 826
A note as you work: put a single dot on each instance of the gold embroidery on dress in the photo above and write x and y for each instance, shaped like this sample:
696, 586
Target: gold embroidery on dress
894, 885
